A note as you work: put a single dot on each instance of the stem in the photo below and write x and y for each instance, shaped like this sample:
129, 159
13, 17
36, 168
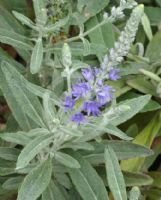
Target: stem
110, 19
69, 82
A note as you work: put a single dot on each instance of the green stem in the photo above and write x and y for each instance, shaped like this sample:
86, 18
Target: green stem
90, 30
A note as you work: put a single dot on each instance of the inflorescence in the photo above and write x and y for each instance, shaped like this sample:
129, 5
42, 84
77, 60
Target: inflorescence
90, 95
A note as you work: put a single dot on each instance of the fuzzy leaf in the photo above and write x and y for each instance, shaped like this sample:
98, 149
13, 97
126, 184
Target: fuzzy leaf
14, 39
36, 181
9, 153
135, 104
66, 160
36, 57
32, 149
52, 192
114, 175
87, 182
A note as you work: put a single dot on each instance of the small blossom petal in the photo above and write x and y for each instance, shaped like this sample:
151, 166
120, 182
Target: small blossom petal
78, 118
69, 103
96, 71
99, 82
88, 74
80, 89
104, 95
114, 74
92, 108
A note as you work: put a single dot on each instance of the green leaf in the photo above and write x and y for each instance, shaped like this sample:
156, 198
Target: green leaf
20, 6
145, 137
133, 68
151, 106
11, 61
113, 130
147, 27
39, 91
32, 149
26, 101
137, 179
19, 115
9, 153
23, 19
135, 104
78, 145
36, 181
63, 179
40, 11
66, 160
103, 35
115, 177
154, 14
77, 48
15, 39
158, 2
6, 167
156, 176
134, 193
153, 193
91, 8
8, 22
17, 138
154, 48
13, 183
52, 192
123, 150
87, 182
36, 57
142, 85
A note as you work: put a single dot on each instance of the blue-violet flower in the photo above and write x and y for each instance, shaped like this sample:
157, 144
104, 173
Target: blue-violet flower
69, 103
91, 107
114, 74
88, 74
78, 118
80, 89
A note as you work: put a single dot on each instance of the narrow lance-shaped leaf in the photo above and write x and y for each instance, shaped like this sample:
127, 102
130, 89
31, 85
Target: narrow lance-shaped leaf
32, 149
36, 181
40, 11
14, 39
86, 180
36, 57
135, 105
26, 101
146, 25
52, 192
67, 160
114, 175
9, 153
23, 19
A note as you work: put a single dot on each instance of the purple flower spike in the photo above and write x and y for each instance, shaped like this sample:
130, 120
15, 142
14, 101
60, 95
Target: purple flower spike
78, 118
69, 103
88, 74
104, 95
114, 74
80, 89
92, 108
